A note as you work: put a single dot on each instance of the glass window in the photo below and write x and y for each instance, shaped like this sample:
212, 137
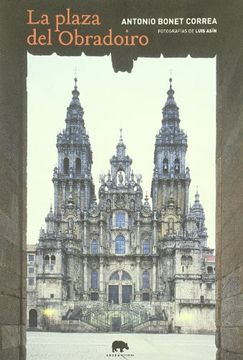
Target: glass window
177, 166
125, 276
66, 166
115, 276
146, 247
120, 219
209, 270
53, 260
31, 281
94, 247
165, 166
47, 259
78, 166
145, 280
31, 270
120, 245
94, 280
31, 257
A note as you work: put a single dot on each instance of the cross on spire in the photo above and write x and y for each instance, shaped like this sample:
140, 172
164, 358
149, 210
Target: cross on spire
75, 77
120, 134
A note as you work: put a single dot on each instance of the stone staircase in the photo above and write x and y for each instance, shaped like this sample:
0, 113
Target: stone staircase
134, 317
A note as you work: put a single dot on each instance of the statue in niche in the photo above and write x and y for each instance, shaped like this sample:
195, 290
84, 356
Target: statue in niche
120, 178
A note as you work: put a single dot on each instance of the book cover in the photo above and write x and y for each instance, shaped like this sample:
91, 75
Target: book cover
125, 260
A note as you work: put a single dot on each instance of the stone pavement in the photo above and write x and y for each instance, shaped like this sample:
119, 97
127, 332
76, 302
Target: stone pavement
73, 346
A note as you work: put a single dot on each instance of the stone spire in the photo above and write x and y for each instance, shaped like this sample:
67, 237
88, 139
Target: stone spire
121, 147
197, 210
73, 177
170, 110
121, 161
75, 111
170, 172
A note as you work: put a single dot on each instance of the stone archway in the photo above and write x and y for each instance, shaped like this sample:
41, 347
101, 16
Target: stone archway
32, 318
229, 155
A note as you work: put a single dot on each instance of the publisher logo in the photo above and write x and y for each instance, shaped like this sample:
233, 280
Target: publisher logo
118, 347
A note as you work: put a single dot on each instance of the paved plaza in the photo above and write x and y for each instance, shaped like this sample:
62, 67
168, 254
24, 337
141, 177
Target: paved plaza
73, 346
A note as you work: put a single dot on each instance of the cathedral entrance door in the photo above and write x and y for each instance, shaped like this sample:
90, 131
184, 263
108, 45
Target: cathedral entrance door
114, 294
120, 288
126, 294
116, 324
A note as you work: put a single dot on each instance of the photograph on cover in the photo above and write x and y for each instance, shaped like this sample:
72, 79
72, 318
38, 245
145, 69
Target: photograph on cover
121, 197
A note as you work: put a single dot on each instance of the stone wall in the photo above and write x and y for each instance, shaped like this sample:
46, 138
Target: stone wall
229, 228
12, 190
199, 319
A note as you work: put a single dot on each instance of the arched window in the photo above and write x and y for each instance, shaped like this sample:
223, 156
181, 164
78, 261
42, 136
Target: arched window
53, 260
78, 166
125, 276
183, 260
94, 247
165, 166
114, 276
177, 166
94, 280
66, 166
209, 270
32, 318
189, 260
120, 245
146, 280
146, 247
46, 260
120, 219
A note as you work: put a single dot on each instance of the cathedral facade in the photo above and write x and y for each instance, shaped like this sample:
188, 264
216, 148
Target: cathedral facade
117, 263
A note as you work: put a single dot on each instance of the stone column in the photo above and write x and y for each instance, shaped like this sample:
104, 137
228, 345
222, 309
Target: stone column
86, 195
186, 196
85, 278
154, 245
137, 284
78, 195
138, 234
85, 233
163, 195
179, 195
101, 232
63, 193
154, 276
101, 278
55, 182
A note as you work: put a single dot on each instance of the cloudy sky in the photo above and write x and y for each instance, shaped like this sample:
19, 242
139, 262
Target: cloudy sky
112, 101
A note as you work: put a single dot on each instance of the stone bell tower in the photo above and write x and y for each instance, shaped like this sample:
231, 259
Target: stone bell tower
72, 178
171, 178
